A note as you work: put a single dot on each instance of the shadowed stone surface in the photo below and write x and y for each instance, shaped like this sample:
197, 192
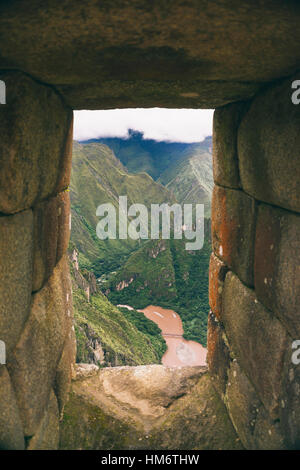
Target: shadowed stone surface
52, 233
45, 241
34, 362
258, 340
218, 354
47, 435
250, 419
65, 370
233, 226
117, 408
34, 138
171, 93
290, 403
217, 273
197, 421
64, 223
213, 52
268, 147
65, 163
225, 156
277, 264
16, 253
11, 430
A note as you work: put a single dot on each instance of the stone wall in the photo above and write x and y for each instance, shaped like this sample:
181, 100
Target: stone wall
35, 288
254, 272
255, 267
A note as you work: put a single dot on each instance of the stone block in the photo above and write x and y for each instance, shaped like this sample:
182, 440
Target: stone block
64, 223
35, 152
277, 264
34, 361
290, 399
218, 354
65, 168
269, 146
16, 253
225, 157
65, 370
47, 435
217, 273
45, 241
51, 236
233, 230
11, 430
257, 339
198, 420
119, 408
250, 419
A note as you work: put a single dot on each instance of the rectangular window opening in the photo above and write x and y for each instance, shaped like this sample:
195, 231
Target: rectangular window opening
140, 242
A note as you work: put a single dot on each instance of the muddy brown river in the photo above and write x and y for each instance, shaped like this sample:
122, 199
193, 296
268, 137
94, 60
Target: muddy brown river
180, 352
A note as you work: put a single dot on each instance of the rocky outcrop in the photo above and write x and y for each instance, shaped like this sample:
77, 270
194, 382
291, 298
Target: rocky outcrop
84, 279
123, 284
95, 351
152, 407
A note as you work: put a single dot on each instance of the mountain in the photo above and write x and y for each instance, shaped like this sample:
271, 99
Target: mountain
99, 177
190, 179
184, 168
142, 272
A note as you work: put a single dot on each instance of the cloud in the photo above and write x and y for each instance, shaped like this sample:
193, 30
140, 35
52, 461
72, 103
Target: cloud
175, 125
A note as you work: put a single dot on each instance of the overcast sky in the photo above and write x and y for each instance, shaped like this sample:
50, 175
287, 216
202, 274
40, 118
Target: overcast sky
176, 125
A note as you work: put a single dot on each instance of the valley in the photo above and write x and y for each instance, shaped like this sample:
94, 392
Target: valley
138, 273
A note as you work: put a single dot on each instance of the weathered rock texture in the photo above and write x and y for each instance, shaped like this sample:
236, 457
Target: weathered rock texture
254, 271
145, 407
268, 147
35, 153
35, 288
172, 54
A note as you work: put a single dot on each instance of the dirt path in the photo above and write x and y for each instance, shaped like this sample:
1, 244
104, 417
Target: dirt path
180, 352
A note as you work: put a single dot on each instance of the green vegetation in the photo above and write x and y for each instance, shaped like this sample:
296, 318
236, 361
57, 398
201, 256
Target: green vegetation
163, 273
113, 334
147, 275
191, 302
138, 273
190, 179
99, 177
146, 155
148, 328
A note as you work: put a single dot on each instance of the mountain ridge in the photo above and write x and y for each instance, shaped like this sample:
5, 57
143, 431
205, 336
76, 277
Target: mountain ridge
143, 272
